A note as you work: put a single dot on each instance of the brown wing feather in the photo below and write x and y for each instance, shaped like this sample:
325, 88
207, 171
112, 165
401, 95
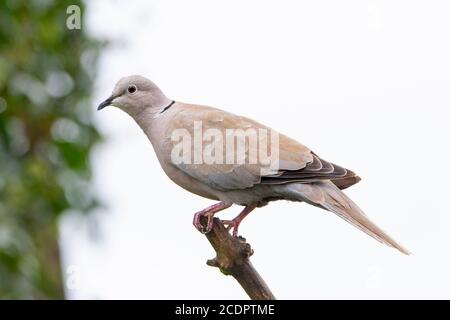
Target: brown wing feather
317, 169
348, 180
297, 163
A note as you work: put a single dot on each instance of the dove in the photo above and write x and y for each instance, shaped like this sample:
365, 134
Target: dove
225, 157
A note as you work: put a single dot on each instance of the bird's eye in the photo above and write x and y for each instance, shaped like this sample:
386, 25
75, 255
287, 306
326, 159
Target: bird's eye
132, 89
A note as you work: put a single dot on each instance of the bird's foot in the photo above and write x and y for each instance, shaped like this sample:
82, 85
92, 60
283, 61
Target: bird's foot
232, 224
209, 214
199, 226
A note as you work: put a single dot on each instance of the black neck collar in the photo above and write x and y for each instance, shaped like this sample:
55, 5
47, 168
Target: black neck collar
165, 108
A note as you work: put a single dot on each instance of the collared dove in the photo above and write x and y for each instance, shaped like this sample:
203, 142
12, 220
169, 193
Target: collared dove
299, 175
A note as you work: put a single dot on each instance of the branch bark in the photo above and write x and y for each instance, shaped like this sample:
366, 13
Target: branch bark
232, 258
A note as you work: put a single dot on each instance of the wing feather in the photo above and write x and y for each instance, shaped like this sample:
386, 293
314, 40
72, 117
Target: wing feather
297, 163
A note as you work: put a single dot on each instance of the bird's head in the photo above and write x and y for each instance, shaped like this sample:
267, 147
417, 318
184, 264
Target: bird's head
133, 94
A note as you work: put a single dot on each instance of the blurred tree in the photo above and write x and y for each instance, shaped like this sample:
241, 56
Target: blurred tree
46, 136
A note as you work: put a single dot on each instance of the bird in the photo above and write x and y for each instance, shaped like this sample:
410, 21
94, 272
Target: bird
190, 142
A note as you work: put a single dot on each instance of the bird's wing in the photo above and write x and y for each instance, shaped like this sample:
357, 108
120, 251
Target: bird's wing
316, 170
296, 162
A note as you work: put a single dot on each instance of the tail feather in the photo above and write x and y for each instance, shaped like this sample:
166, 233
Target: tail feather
328, 196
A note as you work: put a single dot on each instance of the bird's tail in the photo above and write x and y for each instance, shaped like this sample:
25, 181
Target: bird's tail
326, 195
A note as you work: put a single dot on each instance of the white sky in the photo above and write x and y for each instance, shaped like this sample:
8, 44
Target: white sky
362, 83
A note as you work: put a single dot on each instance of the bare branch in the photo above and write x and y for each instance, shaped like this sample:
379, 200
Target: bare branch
232, 258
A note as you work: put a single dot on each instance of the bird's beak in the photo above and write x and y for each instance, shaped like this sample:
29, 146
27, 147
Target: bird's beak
105, 103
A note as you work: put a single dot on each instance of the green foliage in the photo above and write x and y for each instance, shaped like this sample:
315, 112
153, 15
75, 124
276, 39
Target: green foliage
46, 136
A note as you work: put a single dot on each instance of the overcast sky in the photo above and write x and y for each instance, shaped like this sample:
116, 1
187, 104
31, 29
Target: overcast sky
362, 83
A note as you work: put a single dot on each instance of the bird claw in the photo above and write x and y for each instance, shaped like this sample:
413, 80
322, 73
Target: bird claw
199, 226
209, 214
232, 224
202, 229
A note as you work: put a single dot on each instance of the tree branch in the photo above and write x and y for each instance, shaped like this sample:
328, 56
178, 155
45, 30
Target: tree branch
232, 258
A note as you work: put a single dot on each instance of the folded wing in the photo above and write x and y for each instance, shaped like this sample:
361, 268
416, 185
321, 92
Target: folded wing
296, 163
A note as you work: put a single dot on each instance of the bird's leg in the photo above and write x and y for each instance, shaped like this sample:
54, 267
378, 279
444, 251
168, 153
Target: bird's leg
209, 213
234, 224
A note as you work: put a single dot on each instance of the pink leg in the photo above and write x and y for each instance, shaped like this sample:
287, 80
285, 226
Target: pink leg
234, 224
209, 213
